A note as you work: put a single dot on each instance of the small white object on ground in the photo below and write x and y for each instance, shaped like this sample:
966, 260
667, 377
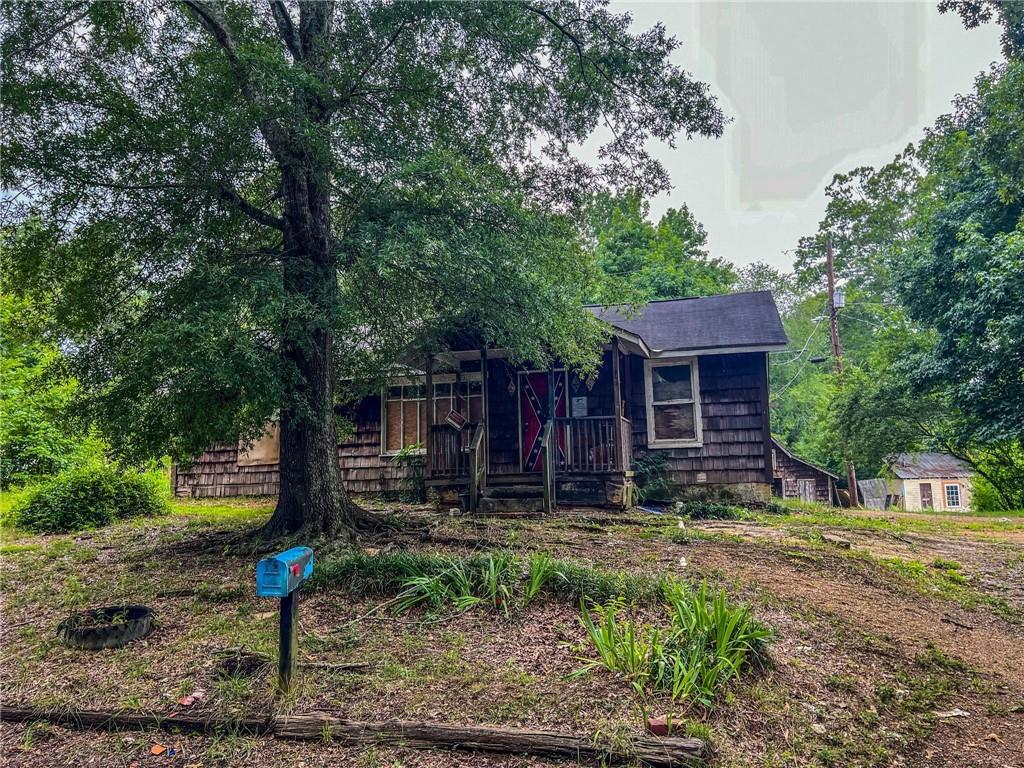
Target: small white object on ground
952, 713
682, 562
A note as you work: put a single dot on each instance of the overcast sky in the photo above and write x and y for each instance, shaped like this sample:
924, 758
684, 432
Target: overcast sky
813, 88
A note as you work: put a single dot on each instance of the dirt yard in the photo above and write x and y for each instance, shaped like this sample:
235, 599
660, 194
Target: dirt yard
898, 640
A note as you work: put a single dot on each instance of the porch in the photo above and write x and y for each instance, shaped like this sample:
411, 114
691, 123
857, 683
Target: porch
535, 439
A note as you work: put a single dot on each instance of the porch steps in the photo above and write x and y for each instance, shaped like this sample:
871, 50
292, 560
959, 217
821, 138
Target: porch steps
512, 500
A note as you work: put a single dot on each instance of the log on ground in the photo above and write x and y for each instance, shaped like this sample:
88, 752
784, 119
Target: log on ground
315, 726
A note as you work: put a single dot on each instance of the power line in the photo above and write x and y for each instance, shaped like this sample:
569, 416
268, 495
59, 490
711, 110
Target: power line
799, 354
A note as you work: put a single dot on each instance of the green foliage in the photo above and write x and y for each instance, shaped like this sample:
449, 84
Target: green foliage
542, 569
640, 261
493, 578
90, 496
412, 459
708, 643
709, 510
38, 435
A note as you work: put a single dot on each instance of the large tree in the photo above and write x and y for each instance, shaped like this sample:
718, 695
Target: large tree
224, 192
639, 260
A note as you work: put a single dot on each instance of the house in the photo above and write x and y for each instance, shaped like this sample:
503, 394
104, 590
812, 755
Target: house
796, 478
686, 378
936, 481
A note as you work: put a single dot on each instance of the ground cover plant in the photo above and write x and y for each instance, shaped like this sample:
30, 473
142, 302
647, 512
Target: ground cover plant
87, 497
494, 580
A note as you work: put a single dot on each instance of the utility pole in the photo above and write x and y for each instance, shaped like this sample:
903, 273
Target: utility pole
837, 352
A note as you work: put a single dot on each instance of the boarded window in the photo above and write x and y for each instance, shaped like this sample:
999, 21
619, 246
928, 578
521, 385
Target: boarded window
266, 450
405, 417
674, 422
673, 410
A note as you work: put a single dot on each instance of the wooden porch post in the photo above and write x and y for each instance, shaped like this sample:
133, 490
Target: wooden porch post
620, 449
483, 411
429, 369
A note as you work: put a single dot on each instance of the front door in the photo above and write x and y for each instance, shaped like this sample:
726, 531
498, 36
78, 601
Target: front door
926, 496
533, 414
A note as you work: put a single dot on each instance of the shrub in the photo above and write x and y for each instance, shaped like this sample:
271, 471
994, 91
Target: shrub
88, 497
709, 510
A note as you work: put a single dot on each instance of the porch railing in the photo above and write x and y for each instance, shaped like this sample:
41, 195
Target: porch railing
548, 463
592, 443
447, 456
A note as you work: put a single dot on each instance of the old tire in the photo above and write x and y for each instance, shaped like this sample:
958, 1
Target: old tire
109, 627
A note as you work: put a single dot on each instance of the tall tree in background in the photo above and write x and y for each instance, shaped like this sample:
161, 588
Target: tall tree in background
642, 261
224, 191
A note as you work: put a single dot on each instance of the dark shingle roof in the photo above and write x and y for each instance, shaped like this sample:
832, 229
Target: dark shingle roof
734, 320
908, 466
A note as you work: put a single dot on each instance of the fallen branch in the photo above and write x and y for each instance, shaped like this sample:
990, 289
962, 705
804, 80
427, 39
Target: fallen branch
947, 619
318, 726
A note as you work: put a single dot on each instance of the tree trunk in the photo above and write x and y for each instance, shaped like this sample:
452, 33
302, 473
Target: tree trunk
312, 499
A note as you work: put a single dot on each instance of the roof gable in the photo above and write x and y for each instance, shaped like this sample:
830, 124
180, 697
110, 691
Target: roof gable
731, 321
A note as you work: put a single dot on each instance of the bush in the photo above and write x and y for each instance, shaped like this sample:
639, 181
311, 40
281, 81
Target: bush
708, 510
88, 497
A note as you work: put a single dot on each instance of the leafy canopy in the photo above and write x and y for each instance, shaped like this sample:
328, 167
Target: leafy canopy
641, 261
175, 161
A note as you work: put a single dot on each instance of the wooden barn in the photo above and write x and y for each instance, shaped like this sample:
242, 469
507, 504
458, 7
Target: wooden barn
796, 478
687, 378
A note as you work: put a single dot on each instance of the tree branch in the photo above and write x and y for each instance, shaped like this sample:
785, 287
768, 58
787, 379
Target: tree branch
211, 17
228, 194
286, 28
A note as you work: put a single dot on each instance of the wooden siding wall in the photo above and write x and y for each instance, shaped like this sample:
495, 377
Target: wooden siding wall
217, 474
793, 470
733, 401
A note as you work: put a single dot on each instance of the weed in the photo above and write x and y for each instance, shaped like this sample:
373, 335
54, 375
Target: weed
708, 643
542, 569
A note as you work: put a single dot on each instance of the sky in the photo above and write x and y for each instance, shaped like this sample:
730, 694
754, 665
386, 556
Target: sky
813, 89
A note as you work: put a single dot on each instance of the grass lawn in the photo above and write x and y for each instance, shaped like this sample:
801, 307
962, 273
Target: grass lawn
869, 643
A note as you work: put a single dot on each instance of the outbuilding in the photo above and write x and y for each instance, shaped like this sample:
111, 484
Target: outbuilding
796, 478
936, 481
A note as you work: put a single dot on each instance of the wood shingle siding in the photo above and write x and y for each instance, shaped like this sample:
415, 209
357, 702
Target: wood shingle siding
732, 407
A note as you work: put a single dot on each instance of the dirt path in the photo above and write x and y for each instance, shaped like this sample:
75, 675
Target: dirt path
976, 637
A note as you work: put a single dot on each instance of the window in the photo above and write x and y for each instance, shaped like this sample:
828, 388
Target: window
673, 407
405, 417
952, 496
404, 408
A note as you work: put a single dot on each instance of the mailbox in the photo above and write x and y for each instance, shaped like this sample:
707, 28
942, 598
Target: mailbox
281, 574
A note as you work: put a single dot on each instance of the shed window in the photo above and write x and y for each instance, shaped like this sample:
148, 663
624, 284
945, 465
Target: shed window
952, 496
673, 408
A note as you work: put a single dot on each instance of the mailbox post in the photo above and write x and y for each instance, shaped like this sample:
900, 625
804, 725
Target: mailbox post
281, 575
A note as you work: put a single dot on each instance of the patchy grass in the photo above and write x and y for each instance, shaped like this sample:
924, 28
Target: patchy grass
836, 691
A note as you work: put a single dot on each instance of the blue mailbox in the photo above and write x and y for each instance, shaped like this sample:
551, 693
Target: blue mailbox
281, 574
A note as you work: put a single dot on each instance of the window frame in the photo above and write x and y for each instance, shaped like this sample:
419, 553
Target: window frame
417, 381
698, 426
959, 495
